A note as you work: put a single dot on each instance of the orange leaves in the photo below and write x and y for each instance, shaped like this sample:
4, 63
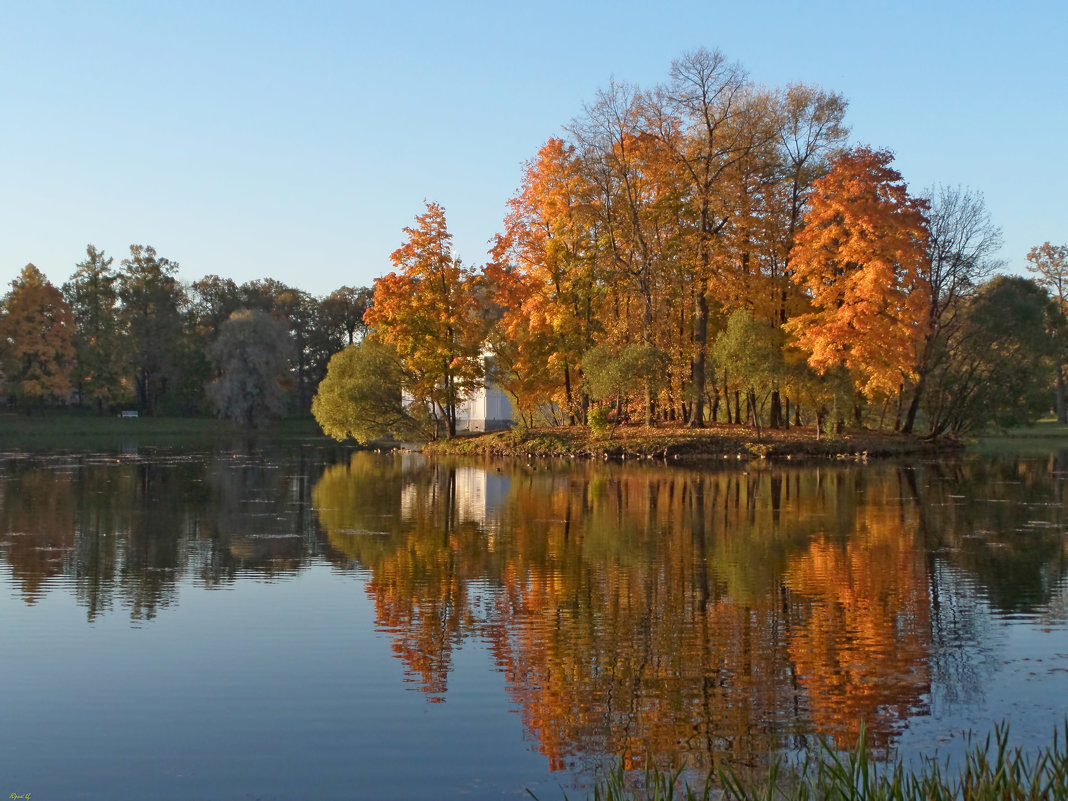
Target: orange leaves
429, 310
860, 258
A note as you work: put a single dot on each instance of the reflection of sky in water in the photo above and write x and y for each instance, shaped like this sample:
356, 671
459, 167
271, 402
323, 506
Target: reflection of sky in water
283, 679
262, 690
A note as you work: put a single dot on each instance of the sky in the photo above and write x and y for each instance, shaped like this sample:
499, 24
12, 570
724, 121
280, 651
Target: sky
296, 140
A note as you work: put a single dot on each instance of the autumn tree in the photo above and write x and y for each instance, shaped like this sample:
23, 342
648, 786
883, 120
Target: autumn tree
251, 356
428, 310
36, 340
542, 278
100, 344
860, 259
1049, 264
696, 121
151, 301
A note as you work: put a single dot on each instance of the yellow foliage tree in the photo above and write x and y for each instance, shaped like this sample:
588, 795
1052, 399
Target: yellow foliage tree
37, 340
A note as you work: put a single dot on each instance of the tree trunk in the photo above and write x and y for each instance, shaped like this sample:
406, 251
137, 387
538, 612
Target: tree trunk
775, 414
1062, 412
700, 338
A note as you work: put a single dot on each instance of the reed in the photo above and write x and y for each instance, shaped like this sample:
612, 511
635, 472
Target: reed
990, 771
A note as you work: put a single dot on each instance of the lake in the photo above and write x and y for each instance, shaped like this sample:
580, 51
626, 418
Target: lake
308, 621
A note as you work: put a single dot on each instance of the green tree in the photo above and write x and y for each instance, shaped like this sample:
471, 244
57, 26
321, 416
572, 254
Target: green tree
100, 358
342, 314
1049, 263
252, 357
750, 351
361, 395
999, 369
629, 373
36, 340
151, 301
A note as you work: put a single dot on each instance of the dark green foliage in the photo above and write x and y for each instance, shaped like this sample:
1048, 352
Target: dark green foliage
998, 371
151, 301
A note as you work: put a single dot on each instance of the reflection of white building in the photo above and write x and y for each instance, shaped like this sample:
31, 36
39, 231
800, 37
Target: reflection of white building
479, 495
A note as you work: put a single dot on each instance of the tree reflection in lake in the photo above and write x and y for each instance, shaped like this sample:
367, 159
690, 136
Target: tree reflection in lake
634, 611
651, 613
127, 529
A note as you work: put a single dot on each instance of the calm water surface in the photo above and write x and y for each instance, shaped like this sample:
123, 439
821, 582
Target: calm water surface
317, 623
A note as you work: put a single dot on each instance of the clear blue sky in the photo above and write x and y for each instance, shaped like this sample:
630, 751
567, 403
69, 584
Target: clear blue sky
295, 141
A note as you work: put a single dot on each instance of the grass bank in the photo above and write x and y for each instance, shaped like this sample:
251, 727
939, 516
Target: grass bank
718, 441
989, 771
68, 430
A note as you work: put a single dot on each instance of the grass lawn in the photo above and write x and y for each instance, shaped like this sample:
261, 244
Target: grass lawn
69, 430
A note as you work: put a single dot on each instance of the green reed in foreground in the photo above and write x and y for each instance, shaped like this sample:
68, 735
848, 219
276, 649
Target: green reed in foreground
990, 770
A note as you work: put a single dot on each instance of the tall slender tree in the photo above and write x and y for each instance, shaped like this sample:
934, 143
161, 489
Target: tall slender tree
151, 312
100, 361
1049, 263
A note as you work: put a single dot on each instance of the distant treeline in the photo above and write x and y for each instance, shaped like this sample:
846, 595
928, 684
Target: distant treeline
137, 338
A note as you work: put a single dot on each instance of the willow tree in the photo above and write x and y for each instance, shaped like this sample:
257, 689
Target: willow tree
252, 357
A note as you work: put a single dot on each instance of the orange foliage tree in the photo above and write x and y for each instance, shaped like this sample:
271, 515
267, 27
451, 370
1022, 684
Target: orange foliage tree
860, 260
429, 310
542, 278
37, 340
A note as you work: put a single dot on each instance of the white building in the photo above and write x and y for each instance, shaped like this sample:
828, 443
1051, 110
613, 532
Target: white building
488, 409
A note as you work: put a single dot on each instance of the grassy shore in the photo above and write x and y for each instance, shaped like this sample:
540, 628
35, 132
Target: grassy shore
67, 430
718, 441
989, 771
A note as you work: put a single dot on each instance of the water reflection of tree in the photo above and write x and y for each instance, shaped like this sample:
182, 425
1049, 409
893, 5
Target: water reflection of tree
127, 530
644, 613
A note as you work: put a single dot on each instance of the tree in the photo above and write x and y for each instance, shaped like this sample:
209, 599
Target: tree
1049, 263
703, 102
961, 249
429, 310
860, 258
100, 344
252, 358
342, 314
361, 395
750, 351
998, 368
36, 340
542, 279
151, 300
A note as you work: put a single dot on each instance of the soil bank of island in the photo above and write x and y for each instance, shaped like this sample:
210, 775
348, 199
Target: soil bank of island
685, 445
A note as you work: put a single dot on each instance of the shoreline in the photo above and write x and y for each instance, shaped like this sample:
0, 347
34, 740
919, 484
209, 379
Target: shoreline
716, 442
